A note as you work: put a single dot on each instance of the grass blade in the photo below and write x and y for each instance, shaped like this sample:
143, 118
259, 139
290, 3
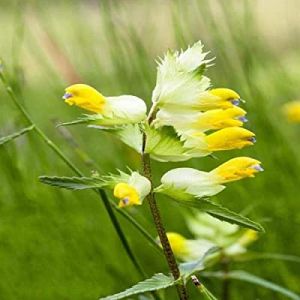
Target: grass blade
247, 277
10, 137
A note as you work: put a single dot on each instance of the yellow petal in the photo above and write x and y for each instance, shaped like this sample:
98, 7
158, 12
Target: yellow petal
86, 97
218, 98
221, 118
178, 244
230, 138
127, 194
248, 237
236, 169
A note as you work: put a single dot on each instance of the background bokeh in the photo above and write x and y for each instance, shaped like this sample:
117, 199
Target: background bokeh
58, 244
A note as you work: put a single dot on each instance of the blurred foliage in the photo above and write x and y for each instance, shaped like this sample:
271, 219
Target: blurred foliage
60, 244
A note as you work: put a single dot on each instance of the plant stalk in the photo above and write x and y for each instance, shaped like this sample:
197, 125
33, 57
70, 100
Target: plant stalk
226, 282
181, 290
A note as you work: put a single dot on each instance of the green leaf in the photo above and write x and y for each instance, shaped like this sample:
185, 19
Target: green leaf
244, 276
10, 137
188, 268
208, 295
164, 145
222, 213
84, 119
74, 122
251, 256
157, 282
72, 183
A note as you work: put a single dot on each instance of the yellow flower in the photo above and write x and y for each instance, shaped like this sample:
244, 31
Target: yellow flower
230, 138
186, 249
130, 189
178, 244
85, 97
109, 111
236, 169
221, 118
204, 226
292, 111
218, 98
202, 121
127, 194
240, 245
188, 183
248, 238
232, 239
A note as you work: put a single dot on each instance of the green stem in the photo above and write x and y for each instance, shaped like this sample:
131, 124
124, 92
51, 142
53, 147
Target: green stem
226, 282
74, 168
119, 231
182, 293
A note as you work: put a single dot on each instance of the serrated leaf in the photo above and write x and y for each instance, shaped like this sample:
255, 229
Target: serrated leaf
222, 213
10, 137
247, 277
157, 282
164, 145
72, 183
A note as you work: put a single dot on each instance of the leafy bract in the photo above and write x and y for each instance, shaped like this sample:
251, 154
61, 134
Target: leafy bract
163, 144
180, 77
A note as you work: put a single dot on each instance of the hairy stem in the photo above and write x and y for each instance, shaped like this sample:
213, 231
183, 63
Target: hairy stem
59, 153
182, 293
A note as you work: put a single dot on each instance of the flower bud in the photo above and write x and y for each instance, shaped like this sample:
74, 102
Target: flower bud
131, 189
86, 97
127, 194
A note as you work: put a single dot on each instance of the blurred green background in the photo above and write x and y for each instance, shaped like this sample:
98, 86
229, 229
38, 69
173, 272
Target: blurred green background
58, 244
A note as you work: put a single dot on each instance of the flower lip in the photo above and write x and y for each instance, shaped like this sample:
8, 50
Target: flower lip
125, 201
67, 96
252, 139
258, 168
235, 102
243, 119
